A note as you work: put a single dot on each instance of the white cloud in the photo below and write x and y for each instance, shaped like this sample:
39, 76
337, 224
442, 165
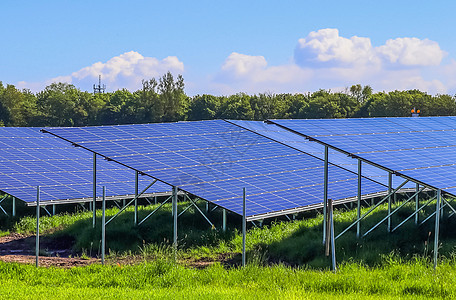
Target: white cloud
251, 74
322, 60
240, 64
411, 52
124, 71
325, 48
325, 60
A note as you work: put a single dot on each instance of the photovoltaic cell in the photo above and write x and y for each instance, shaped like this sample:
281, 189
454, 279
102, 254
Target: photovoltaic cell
423, 148
215, 160
29, 159
300, 143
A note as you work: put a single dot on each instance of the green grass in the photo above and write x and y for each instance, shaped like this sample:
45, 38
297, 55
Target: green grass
166, 279
296, 243
285, 259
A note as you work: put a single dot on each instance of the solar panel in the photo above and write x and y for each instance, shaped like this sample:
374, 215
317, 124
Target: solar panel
29, 159
296, 141
215, 160
423, 148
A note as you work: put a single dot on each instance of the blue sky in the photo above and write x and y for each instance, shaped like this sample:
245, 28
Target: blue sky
232, 46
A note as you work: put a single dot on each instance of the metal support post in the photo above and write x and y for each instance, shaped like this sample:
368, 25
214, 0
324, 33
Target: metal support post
333, 240
325, 193
390, 187
103, 227
207, 207
94, 190
1, 200
53, 209
224, 220
441, 206
244, 227
358, 212
417, 204
14, 207
37, 238
136, 197
437, 227
175, 217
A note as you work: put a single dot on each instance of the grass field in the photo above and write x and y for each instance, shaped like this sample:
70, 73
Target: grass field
166, 279
285, 259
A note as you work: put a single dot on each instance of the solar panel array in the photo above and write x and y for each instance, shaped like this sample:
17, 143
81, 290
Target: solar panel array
420, 148
215, 160
29, 159
299, 142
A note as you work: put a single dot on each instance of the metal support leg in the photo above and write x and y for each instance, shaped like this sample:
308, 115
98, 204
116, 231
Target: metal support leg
94, 190
244, 227
437, 227
358, 212
417, 205
325, 193
136, 197
1, 200
37, 238
175, 217
103, 227
53, 209
224, 220
333, 240
390, 187
14, 207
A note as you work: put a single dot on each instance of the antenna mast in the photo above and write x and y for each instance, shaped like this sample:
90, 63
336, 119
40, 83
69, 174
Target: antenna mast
99, 89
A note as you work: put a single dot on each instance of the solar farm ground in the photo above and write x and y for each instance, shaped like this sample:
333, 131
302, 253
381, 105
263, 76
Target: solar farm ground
285, 259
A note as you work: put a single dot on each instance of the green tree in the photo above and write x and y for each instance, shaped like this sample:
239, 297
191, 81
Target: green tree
17, 108
172, 97
268, 106
236, 107
359, 93
205, 107
150, 101
116, 110
57, 104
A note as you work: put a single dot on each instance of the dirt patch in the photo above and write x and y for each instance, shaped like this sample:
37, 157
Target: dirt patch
46, 261
226, 259
20, 248
56, 252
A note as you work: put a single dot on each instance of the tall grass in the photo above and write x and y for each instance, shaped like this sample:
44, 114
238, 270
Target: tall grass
297, 243
397, 279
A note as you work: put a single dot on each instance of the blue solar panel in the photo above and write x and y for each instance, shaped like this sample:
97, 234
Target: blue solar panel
423, 149
215, 160
29, 159
296, 141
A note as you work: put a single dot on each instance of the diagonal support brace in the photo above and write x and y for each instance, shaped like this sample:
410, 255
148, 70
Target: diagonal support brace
197, 208
155, 210
131, 201
393, 212
370, 210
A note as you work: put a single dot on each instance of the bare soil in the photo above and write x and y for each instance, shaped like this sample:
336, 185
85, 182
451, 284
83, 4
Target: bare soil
20, 248
56, 252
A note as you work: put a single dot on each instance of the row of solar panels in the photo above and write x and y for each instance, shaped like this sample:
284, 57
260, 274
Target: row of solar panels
214, 160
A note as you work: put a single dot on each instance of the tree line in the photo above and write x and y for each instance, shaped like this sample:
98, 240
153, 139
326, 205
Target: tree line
164, 100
